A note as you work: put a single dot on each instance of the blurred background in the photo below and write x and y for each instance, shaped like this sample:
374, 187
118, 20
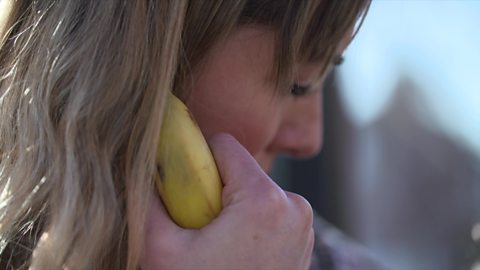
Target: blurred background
400, 167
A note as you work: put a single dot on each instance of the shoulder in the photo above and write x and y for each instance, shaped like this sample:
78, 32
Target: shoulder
335, 251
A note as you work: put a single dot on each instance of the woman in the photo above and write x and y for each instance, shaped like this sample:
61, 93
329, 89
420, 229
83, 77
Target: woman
83, 85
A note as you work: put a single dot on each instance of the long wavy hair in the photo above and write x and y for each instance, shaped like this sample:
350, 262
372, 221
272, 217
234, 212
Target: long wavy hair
82, 91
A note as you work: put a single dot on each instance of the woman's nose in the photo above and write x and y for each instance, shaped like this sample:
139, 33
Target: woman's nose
300, 134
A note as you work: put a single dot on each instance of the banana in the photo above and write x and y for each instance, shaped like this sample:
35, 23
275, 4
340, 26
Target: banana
6, 7
188, 180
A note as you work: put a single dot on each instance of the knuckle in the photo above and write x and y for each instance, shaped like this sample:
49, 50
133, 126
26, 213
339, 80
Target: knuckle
269, 202
303, 208
274, 197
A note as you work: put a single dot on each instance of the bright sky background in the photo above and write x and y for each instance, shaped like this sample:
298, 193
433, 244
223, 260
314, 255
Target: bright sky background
437, 45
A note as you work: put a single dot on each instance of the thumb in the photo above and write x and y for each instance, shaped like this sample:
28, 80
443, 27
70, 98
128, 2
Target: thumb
237, 167
160, 234
158, 218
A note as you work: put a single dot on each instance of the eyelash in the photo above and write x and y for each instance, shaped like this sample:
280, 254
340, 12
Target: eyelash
337, 61
299, 90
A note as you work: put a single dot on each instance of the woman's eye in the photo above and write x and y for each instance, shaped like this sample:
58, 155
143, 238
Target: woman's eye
338, 60
299, 90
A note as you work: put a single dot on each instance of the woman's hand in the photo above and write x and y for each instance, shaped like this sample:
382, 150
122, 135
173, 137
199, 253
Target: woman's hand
260, 227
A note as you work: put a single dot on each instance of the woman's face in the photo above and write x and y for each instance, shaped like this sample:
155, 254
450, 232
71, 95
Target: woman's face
233, 92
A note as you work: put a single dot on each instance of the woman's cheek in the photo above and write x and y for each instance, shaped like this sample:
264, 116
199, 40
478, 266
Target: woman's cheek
259, 138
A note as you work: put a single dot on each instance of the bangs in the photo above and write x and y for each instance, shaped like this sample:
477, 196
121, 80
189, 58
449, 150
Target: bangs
307, 31
331, 21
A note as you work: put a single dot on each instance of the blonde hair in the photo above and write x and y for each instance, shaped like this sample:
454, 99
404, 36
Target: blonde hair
82, 87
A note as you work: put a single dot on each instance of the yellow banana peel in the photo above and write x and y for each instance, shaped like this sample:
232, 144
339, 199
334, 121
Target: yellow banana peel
188, 180
5, 11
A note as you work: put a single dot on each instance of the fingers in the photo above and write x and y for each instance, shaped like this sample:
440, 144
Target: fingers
243, 178
248, 187
233, 159
302, 207
303, 222
309, 249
